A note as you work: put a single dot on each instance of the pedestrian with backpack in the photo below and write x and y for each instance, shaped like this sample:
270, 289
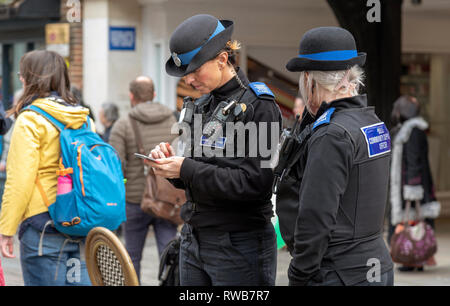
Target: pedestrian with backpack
51, 135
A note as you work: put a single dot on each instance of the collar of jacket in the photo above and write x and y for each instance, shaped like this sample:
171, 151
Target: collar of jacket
359, 101
150, 112
231, 87
223, 93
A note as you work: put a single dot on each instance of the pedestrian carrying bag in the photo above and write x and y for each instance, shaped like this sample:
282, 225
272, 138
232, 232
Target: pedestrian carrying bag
98, 194
160, 199
413, 243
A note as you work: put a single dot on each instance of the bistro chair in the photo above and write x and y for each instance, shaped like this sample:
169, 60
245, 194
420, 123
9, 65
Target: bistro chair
107, 260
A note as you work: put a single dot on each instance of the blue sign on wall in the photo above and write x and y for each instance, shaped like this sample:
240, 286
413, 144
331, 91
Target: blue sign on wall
122, 38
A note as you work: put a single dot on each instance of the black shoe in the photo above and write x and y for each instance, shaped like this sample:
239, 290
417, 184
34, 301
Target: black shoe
406, 269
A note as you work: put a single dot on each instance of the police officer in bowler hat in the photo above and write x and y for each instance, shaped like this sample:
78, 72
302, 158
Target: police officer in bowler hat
333, 222
227, 238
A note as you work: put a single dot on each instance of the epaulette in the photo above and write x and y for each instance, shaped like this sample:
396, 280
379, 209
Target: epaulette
324, 118
260, 89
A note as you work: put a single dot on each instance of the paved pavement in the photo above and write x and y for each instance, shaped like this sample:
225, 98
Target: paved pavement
432, 276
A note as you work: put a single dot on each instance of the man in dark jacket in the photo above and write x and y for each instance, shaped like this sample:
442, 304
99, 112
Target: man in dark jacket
334, 229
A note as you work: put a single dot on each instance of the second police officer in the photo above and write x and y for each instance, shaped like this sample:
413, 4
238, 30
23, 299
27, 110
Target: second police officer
228, 237
333, 222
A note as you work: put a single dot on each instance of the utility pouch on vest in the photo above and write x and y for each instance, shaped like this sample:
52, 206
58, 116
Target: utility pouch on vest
283, 153
288, 152
187, 113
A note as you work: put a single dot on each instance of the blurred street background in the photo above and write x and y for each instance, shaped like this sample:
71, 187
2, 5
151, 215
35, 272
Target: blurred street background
108, 43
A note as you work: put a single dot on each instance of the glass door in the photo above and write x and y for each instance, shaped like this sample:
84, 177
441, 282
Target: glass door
10, 54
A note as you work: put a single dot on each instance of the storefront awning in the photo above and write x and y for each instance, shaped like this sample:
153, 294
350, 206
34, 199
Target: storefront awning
26, 18
25, 9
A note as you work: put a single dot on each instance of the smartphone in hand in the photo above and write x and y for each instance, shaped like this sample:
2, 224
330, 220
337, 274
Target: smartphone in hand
145, 157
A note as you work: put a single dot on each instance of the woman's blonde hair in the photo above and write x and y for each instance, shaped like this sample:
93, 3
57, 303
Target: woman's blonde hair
335, 82
233, 45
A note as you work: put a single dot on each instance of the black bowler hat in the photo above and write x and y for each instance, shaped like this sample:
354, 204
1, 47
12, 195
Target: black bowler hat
325, 49
195, 41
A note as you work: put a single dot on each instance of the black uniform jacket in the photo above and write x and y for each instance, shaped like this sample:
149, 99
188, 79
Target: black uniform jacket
341, 201
231, 193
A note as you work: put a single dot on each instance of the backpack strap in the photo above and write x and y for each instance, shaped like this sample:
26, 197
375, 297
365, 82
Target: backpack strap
42, 191
88, 122
59, 126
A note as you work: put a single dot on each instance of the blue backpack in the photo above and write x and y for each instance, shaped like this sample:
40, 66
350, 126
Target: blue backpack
98, 194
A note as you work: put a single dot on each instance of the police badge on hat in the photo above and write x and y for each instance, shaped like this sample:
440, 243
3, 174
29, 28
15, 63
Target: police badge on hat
176, 59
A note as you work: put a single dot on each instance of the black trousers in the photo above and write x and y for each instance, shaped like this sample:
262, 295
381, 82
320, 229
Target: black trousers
331, 278
214, 258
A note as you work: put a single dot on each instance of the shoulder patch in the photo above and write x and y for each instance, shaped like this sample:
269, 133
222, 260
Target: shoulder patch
377, 138
325, 118
259, 88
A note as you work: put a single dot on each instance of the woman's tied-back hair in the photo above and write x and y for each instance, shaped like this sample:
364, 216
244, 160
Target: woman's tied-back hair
231, 48
43, 71
404, 108
340, 81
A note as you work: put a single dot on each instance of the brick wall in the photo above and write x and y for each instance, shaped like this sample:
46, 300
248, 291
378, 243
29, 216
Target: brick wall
76, 46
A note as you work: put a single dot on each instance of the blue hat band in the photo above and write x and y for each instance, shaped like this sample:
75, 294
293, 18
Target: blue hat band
337, 55
188, 56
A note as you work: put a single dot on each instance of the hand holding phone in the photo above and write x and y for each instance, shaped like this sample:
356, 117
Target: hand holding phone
163, 150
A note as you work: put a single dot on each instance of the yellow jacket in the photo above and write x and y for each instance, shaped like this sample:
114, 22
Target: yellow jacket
34, 151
